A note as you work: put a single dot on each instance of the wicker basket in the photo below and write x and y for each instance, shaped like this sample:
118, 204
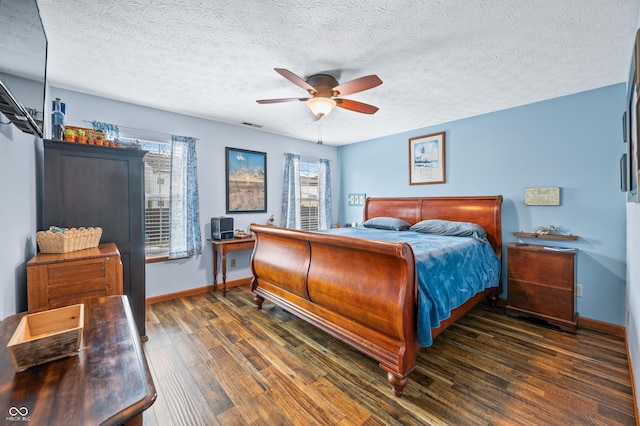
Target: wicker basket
70, 240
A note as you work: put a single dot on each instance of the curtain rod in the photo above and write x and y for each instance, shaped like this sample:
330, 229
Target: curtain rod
308, 158
142, 130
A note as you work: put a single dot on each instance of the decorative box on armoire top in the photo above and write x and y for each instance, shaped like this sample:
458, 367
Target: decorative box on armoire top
61, 279
91, 185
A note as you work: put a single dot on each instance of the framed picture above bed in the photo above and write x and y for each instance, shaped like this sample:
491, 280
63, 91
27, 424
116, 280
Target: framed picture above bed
246, 173
426, 159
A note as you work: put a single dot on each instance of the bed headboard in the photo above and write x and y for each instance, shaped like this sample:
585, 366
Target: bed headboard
483, 210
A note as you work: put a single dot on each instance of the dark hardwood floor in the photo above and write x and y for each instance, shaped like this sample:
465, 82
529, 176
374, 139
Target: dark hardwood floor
221, 361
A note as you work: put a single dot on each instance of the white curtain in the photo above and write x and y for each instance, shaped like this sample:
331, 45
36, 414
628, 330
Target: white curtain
291, 193
324, 195
184, 216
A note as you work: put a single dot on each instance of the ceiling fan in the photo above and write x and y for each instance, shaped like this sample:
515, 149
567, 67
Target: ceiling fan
324, 90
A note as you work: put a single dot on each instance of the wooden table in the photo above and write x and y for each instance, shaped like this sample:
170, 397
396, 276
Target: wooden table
223, 247
108, 382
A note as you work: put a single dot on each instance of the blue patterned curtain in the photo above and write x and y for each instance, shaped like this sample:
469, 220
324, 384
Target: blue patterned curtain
184, 215
291, 194
111, 131
324, 195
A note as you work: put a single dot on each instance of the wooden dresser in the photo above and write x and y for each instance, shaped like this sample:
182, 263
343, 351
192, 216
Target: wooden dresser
542, 284
55, 280
107, 383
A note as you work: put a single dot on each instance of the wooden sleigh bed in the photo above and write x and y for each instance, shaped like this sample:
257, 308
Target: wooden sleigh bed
364, 292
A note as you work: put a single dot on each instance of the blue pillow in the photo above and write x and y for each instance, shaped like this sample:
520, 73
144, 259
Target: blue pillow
392, 223
454, 229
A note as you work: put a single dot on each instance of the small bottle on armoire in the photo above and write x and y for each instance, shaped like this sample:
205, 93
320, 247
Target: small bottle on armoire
57, 120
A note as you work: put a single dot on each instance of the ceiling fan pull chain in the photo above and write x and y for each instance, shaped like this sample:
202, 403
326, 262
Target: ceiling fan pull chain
319, 132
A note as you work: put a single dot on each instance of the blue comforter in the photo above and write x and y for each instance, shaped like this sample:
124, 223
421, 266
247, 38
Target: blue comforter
450, 270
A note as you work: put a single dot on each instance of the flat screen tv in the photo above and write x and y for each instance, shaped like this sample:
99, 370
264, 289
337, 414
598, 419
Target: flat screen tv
23, 63
631, 122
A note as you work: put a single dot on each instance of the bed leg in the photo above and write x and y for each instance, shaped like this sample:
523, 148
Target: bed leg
397, 383
258, 300
493, 296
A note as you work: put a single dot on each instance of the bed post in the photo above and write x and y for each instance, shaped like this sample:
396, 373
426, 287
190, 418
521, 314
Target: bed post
397, 383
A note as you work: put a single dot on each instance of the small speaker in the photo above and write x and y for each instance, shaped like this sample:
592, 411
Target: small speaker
222, 228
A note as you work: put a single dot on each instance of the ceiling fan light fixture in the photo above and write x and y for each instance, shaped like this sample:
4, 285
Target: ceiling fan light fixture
321, 106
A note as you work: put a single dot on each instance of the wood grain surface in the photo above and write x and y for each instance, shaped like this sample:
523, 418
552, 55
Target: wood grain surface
219, 360
108, 382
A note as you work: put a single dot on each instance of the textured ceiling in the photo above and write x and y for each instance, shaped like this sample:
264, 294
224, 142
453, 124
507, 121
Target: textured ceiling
440, 60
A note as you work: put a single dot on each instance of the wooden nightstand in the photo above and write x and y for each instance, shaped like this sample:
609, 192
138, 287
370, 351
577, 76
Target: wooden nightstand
55, 280
541, 284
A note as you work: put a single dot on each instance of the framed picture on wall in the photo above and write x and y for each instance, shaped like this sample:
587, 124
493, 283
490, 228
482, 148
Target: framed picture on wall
632, 130
426, 159
246, 173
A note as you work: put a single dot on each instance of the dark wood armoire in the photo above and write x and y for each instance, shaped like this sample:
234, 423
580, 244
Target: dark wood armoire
90, 185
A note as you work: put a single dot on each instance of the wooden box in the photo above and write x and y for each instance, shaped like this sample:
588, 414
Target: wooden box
46, 336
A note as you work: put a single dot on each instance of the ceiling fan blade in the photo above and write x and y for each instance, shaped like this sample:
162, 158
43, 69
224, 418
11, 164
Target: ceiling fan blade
295, 79
358, 85
356, 106
277, 101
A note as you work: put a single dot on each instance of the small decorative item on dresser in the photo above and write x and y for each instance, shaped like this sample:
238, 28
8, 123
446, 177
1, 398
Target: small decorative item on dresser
545, 230
46, 336
65, 240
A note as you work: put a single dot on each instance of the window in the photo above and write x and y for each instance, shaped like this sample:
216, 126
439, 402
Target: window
306, 194
309, 196
157, 171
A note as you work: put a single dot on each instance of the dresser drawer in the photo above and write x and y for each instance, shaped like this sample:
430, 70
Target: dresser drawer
552, 268
544, 300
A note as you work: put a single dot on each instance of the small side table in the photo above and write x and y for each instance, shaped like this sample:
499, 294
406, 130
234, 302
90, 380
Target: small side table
223, 247
542, 284
61, 279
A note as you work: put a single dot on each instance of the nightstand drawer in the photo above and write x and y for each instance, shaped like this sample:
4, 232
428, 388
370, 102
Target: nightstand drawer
555, 269
544, 300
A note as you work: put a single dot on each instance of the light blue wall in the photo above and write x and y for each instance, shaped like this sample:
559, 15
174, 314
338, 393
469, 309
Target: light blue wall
573, 142
18, 188
180, 275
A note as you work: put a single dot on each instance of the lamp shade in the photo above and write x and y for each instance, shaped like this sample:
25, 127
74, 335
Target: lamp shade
321, 106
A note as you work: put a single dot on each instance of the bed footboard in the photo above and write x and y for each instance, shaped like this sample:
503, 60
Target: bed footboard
359, 291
